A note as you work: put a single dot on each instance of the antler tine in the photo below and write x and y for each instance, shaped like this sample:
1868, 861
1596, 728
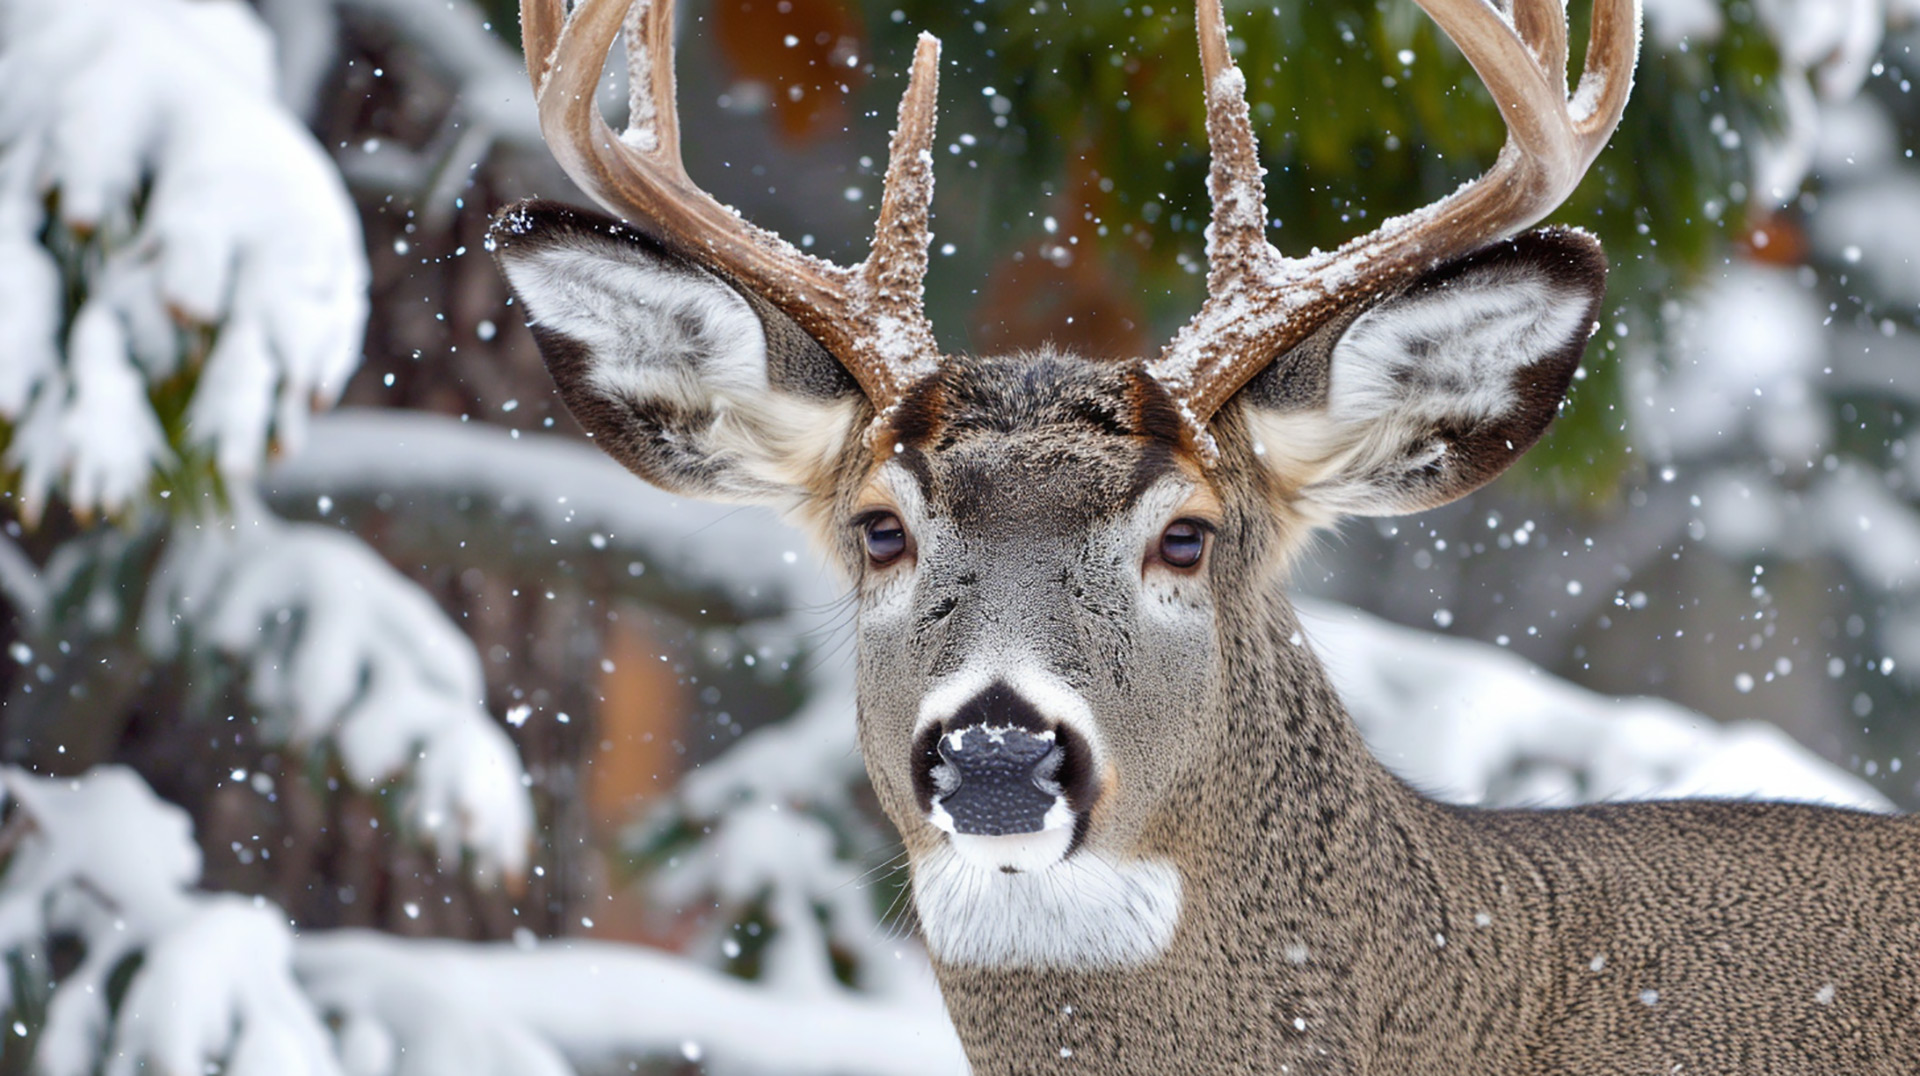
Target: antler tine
1544, 24
868, 317
1252, 316
895, 272
1532, 102
1606, 78
649, 32
1237, 239
540, 24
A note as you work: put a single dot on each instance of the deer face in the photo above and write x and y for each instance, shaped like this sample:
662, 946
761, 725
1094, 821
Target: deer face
1034, 660
1039, 545
1047, 550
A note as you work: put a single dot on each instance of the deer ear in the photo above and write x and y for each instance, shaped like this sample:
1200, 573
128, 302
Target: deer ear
695, 385
1429, 394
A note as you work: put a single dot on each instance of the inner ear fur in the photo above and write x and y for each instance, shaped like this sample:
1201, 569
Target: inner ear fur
696, 385
1424, 396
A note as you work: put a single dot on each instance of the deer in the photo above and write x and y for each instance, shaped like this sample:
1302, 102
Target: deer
1143, 834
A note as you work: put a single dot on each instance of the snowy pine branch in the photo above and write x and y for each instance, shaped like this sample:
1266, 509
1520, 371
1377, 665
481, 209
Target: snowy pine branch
344, 653
207, 979
147, 168
173, 979
1475, 724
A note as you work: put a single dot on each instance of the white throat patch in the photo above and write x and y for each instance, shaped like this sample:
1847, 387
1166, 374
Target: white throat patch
1083, 913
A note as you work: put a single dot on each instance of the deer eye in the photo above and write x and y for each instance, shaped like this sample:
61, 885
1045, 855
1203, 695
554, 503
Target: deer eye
886, 538
1183, 543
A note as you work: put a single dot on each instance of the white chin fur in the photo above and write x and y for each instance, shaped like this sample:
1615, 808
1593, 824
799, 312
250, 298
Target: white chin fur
1080, 913
1019, 852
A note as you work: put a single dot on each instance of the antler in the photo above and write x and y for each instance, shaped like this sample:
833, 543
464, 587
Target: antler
869, 316
1260, 303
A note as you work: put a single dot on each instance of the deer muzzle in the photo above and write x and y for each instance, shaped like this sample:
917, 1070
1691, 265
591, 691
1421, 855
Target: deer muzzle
998, 770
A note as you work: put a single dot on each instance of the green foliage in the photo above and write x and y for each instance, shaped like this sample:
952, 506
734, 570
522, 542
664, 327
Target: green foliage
28, 991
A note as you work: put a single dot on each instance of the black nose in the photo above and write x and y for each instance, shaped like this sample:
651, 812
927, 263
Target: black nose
996, 767
996, 781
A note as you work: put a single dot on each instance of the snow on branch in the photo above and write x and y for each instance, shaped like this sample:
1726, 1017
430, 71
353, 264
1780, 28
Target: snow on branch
209, 982
811, 757
1751, 375
574, 494
507, 1010
454, 39
218, 982
1472, 723
147, 168
1826, 50
777, 807
346, 652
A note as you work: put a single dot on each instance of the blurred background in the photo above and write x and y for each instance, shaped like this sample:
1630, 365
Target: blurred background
361, 718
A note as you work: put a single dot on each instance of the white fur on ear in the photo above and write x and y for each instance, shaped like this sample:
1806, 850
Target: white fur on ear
654, 331
1450, 353
1428, 393
657, 337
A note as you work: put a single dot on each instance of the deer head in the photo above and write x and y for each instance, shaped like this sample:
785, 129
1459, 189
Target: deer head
1071, 637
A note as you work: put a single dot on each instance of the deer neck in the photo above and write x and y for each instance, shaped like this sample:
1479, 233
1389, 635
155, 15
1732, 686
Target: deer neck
1289, 801
1310, 874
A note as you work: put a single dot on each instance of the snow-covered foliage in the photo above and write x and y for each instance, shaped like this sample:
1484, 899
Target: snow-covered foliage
173, 979
573, 493
170, 980
785, 839
1826, 49
581, 504
147, 169
1766, 385
786, 854
536, 1009
343, 653
492, 105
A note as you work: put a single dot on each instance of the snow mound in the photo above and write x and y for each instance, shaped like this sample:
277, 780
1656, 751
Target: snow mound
1474, 724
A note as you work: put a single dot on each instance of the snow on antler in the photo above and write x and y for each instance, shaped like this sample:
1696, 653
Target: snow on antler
870, 316
1259, 304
